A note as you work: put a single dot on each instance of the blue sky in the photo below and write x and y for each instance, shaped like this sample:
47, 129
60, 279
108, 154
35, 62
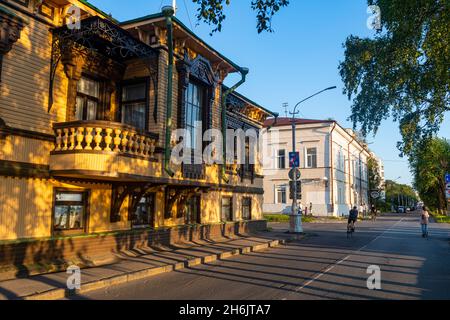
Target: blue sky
299, 59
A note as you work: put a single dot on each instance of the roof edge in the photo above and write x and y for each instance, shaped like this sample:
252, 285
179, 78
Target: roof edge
189, 31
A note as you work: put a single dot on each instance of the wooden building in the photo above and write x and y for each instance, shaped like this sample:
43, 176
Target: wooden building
84, 112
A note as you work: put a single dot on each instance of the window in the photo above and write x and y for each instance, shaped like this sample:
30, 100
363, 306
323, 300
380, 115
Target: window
281, 194
247, 155
246, 208
311, 158
88, 99
193, 210
134, 102
227, 213
194, 111
145, 211
70, 211
281, 159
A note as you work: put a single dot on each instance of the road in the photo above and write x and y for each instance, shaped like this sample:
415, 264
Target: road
324, 265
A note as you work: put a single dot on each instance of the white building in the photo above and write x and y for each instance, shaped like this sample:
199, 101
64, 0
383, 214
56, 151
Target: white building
333, 166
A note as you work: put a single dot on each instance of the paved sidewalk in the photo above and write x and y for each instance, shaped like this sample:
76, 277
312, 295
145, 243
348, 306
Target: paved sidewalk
137, 264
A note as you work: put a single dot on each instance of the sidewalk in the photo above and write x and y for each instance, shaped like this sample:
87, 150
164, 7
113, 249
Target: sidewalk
137, 264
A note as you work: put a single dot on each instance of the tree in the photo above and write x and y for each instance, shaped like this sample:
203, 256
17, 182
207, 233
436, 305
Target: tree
212, 12
430, 162
396, 194
374, 174
403, 71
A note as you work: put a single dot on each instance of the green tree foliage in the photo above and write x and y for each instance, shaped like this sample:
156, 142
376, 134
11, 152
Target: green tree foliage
403, 71
429, 163
374, 174
396, 193
213, 12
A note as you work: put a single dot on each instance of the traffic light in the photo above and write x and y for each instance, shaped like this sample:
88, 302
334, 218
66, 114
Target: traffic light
299, 189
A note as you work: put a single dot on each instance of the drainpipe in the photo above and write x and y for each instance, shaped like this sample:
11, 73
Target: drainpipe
244, 72
331, 166
168, 12
349, 172
360, 177
274, 123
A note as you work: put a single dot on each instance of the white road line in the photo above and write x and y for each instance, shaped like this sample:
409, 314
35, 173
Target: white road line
317, 276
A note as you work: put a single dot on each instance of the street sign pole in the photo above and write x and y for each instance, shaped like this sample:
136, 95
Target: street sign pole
295, 225
296, 217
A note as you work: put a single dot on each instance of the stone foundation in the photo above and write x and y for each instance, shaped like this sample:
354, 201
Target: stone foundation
42, 256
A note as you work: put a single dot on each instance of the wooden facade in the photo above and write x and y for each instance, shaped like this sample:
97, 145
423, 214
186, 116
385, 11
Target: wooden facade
74, 160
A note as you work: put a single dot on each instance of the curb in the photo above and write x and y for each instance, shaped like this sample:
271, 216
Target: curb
61, 293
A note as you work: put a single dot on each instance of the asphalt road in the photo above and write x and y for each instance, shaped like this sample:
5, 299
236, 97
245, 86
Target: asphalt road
325, 265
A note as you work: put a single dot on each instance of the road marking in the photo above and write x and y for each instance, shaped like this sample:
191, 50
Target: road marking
317, 276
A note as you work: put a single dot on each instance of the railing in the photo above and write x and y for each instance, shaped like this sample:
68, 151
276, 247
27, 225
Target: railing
193, 171
232, 168
103, 136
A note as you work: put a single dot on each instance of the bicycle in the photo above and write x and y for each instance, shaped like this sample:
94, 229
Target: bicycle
350, 229
374, 216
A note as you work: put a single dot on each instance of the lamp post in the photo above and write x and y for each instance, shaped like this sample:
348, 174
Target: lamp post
295, 225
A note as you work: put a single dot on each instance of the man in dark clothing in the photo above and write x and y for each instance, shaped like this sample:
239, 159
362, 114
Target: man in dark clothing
353, 216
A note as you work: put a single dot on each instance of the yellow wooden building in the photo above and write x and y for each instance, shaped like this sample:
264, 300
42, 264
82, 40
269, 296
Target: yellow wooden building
87, 110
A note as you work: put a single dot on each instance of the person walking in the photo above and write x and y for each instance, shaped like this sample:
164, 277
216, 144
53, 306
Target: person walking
424, 221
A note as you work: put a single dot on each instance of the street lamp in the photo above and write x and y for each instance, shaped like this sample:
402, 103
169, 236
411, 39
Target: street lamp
295, 225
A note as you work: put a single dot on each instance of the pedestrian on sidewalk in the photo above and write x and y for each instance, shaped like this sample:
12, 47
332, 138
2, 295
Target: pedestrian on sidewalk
424, 221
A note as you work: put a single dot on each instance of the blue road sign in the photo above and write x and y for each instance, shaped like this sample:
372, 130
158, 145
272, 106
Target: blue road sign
447, 178
294, 159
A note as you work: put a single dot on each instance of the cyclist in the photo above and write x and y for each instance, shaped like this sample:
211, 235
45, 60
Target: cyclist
352, 217
373, 212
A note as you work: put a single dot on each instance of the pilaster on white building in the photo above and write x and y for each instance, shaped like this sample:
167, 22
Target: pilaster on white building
333, 166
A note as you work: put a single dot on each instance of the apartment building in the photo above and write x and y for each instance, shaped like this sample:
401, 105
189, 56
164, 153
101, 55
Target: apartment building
333, 166
88, 107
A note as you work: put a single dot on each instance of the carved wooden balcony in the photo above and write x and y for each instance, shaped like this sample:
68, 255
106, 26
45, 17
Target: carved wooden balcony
102, 148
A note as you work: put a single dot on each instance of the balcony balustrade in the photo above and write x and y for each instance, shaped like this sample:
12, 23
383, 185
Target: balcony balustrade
103, 136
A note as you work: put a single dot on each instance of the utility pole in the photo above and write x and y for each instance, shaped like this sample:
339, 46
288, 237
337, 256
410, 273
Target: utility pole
285, 106
296, 216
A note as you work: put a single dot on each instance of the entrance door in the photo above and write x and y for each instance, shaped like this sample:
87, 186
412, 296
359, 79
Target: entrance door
193, 210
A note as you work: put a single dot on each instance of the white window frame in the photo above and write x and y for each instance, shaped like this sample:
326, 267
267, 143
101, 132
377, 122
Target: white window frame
307, 155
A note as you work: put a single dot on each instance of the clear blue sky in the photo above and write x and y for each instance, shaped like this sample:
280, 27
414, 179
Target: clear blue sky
299, 59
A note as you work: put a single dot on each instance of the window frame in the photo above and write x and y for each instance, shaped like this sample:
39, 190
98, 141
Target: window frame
98, 100
202, 112
279, 157
230, 206
249, 199
146, 100
86, 194
151, 214
313, 156
280, 189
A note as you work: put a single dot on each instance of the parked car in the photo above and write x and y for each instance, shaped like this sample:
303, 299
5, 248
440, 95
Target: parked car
400, 209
